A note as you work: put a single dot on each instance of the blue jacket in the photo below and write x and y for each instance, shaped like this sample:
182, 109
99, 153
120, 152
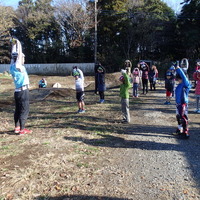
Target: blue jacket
182, 89
20, 77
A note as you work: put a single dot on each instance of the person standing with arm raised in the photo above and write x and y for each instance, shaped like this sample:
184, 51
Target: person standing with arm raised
21, 95
181, 97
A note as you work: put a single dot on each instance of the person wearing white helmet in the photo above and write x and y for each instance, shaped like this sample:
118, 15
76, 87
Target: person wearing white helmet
79, 85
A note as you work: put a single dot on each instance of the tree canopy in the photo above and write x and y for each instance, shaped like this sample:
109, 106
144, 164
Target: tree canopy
63, 31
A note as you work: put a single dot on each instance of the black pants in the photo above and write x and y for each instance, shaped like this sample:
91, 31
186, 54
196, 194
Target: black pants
96, 84
152, 85
145, 85
21, 108
101, 94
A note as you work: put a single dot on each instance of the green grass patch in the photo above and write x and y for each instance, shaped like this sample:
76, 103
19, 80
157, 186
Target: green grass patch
45, 143
5, 147
86, 165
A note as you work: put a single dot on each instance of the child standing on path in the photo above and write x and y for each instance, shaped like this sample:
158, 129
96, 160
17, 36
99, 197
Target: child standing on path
79, 84
169, 86
153, 75
145, 77
136, 77
173, 71
124, 94
196, 76
101, 87
181, 95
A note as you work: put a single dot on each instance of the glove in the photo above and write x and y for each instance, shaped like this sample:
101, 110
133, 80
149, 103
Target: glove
123, 71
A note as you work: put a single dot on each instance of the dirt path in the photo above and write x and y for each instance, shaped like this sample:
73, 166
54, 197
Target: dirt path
93, 156
145, 161
150, 163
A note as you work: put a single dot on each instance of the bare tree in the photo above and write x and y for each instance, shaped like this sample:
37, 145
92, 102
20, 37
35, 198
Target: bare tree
6, 23
74, 19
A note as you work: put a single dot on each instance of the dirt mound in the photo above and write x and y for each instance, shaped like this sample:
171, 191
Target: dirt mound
68, 89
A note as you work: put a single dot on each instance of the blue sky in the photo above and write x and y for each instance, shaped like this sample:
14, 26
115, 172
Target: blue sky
13, 3
174, 4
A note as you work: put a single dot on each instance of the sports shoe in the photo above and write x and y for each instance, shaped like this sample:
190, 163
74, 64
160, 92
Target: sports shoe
187, 135
124, 121
79, 110
82, 111
198, 111
17, 129
25, 131
178, 132
166, 103
101, 101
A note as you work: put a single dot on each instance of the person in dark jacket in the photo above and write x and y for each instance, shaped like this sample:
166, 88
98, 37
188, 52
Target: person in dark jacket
152, 75
97, 65
169, 86
181, 94
101, 87
144, 67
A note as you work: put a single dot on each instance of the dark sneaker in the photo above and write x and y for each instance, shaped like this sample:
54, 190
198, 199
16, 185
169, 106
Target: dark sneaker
101, 101
124, 121
186, 134
79, 110
82, 111
177, 132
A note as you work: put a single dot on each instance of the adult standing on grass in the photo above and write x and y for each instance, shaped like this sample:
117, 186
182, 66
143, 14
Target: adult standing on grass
79, 85
21, 95
181, 95
101, 86
124, 94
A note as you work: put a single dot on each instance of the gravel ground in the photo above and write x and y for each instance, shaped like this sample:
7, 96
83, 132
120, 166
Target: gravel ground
149, 162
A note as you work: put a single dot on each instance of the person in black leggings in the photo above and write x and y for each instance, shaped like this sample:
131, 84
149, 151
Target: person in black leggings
145, 70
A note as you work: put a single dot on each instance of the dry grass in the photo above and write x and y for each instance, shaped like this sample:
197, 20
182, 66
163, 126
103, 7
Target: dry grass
64, 153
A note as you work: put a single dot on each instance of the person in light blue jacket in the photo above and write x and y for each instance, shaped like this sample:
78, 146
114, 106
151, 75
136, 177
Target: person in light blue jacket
181, 97
21, 95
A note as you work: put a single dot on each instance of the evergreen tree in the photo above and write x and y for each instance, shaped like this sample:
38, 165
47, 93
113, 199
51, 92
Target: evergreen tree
189, 29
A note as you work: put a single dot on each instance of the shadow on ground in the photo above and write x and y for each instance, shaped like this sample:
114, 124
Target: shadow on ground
79, 197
